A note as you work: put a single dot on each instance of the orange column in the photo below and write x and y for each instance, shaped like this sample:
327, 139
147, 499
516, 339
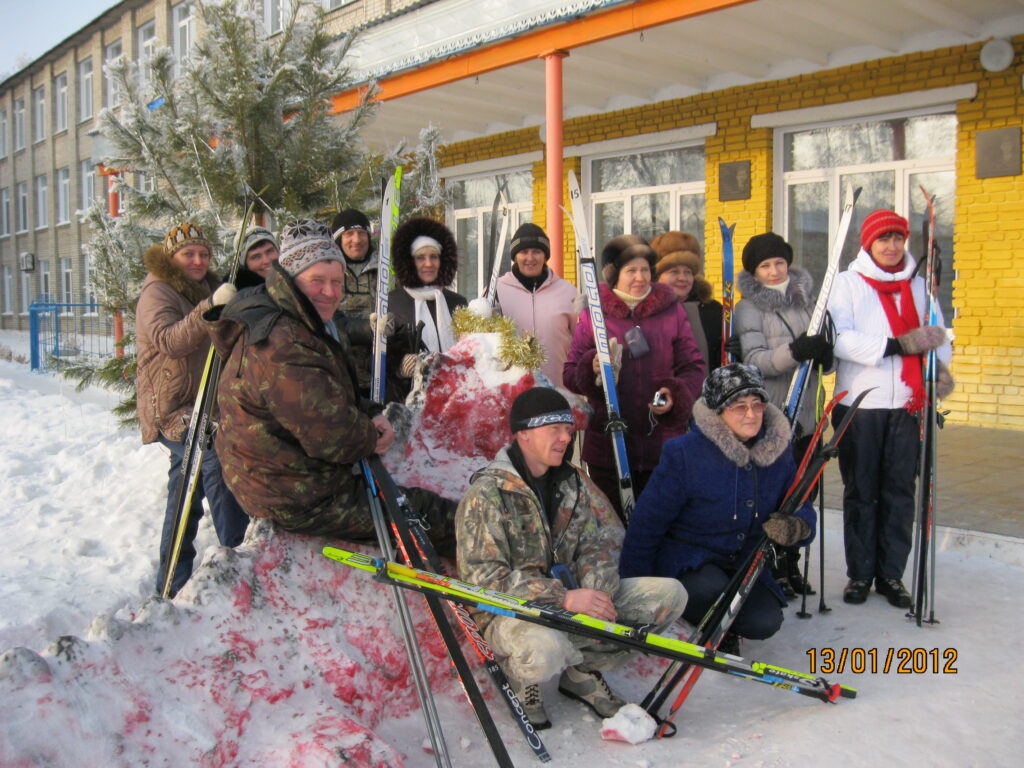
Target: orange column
553, 147
113, 199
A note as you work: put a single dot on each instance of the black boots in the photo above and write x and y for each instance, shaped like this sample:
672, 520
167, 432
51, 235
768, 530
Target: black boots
856, 590
894, 590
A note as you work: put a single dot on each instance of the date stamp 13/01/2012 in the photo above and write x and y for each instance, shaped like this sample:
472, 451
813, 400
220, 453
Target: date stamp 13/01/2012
901, 661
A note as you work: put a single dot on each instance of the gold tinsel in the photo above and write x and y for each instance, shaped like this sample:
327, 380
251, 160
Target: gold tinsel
523, 351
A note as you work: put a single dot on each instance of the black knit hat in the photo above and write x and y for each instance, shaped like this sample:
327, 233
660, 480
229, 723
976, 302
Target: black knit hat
351, 219
537, 407
530, 236
621, 250
730, 382
766, 246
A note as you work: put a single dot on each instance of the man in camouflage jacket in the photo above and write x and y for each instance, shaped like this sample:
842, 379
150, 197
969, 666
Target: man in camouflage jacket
351, 231
292, 426
528, 511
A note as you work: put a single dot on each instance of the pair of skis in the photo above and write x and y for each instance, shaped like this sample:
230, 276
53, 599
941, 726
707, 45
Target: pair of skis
200, 433
388, 505
616, 426
723, 612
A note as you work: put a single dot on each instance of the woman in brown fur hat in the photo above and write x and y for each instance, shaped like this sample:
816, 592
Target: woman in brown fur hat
172, 345
680, 265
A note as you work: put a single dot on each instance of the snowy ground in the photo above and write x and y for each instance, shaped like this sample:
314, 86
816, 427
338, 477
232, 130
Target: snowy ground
78, 539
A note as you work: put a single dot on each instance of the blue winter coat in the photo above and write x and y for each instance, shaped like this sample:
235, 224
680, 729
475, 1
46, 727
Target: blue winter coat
708, 496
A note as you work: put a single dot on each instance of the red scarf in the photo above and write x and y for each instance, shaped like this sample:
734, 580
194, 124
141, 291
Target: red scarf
900, 321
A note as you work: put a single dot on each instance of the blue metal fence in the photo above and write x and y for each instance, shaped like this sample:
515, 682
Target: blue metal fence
78, 332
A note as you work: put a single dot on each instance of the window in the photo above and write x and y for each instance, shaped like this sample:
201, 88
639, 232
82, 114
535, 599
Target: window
19, 124
26, 291
8, 291
144, 183
86, 183
85, 89
21, 206
43, 265
3, 133
647, 193
60, 102
276, 14
183, 33
330, 5
39, 113
890, 159
42, 201
5, 212
66, 281
63, 195
112, 93
90, 286
473, 204
147, 43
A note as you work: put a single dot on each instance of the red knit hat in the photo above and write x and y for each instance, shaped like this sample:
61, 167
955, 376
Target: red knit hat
879, 223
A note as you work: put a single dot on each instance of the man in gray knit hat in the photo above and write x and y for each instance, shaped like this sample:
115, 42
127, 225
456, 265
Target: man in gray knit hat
292, 424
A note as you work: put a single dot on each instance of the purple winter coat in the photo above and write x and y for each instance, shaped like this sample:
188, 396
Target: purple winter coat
674, 362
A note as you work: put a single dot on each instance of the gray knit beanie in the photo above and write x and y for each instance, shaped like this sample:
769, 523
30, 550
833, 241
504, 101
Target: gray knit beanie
304, 243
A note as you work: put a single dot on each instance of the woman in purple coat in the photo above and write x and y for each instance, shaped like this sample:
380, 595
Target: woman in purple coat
653, 352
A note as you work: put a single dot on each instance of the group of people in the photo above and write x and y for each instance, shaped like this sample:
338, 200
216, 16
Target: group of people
712, 456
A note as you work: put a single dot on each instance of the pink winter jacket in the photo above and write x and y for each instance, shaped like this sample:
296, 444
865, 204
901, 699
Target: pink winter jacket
547, 313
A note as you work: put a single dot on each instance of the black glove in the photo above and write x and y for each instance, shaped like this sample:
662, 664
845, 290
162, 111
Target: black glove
734, 347
786, 530
806, 347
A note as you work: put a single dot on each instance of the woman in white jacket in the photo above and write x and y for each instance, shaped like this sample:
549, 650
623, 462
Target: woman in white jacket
878, 307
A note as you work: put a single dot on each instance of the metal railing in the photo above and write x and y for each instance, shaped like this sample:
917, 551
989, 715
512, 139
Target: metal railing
74, 333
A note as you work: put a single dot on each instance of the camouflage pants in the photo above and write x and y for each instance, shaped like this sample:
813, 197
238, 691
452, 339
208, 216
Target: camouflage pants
346, 515
531, 653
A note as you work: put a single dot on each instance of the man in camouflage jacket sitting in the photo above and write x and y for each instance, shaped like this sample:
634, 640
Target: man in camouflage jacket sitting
527, 512
292, 425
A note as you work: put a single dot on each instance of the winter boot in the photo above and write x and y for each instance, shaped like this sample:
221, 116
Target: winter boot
796, 577
894, 590
780, 572
590, 688
856, 590
533, 705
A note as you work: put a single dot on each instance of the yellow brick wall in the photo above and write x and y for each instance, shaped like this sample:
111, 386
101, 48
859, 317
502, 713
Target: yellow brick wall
988, 293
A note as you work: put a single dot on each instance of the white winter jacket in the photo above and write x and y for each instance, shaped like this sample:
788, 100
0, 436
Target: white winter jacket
862, 332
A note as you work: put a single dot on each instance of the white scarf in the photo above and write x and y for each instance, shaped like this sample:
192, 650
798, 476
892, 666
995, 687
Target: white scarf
437, 337
780, 287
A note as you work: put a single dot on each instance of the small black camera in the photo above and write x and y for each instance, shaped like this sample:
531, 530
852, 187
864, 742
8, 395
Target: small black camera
659, 399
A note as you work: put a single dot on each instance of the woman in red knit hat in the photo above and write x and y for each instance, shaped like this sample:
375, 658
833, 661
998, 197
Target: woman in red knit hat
878, 306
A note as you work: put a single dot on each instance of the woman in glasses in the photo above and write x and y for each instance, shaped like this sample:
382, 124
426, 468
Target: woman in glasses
771, 323
715, 491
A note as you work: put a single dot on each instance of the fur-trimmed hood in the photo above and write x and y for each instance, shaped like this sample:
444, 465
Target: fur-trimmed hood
161, 267
658, 300
401, 252
773, 441
799, 292
702, 292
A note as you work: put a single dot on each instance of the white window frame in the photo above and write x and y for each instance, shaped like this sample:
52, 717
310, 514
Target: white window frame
89, 288
333, 5
26, 292
275, 14
63, 184
21, 207
38, 114
19, 123
3, 132
43, 268
183, 33
42, 186
5, 212
8, 290
60, 102
86, 183
85, 89
67, 284
112, 93
146, 45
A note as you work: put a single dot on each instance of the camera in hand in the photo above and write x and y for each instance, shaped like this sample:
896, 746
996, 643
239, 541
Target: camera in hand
659, 399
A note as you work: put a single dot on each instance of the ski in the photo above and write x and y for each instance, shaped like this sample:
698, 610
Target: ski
924, 592
388, 222
795, 395
499, 247
616, 428
728, 284
633, 638
199, 436
419, 552
720, 616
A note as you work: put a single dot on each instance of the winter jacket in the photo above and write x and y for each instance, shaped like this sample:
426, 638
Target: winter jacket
862, 332
506, 543
359, 301
171, 343
708, 497
674, 362
547, 313
766, 322
705, 316
291, 426
406, 340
